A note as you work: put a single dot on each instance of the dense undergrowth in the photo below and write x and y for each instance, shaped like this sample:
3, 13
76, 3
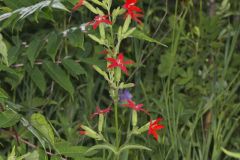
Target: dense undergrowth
48, 86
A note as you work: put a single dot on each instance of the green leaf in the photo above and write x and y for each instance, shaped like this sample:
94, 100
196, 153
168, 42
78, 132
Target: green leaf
40, 138
3, 94
142, 36
164, 68
33, 155
8, 118
13, 77
57, 4
23, 156
73, 67
38, 102
38, 78
231, 154
72, 151
1, 158
101, 72
58, 75
29, 10
39, 122
12, 156
3, 50
66, 149
103, 146
33, 50
76, 38
54, 42
133, 146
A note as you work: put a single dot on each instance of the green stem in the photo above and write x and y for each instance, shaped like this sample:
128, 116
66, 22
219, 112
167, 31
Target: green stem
116, 120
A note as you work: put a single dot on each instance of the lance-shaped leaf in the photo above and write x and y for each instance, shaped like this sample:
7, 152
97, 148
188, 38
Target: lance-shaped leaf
73, 67
231, 154
8, 118
33, 50
103, 146
133, 146
38, 78
142, 36
3, 50
26, 11
39, 122
59, 76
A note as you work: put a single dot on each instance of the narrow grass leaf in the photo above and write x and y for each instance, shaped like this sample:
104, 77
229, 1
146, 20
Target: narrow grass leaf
133, 146
231, 154
103, 146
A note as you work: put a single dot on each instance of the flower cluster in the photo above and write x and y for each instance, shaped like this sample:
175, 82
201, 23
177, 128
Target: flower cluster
116, 64
133, 11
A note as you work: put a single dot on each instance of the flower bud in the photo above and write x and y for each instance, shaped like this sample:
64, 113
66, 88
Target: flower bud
100, 122
134, 118
117, 74
144, 128
90, 133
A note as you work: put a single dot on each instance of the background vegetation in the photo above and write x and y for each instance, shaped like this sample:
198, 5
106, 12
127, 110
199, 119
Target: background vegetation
46, 67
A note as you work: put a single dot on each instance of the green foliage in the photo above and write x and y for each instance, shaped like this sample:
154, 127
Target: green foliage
8, 119
57, 74
231, 154
39, 122
186, 71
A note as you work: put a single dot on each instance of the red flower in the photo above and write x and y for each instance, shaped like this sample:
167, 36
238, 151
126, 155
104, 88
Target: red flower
98, 20
135, 16
99, 111
119, 62
133, 10
78, 5
154, 126
137, 107
130, 5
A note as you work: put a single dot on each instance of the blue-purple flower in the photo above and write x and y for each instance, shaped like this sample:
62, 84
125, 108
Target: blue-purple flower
124, 95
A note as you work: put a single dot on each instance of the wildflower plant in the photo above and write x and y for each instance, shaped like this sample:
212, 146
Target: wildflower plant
105, 24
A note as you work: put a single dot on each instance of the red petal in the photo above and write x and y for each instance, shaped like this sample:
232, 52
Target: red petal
112, 60
124, 69
156, 121
139, 105
155, 135
96, 24
112, 66
129, 62
120, 57
158, 127
131, 103
79, 4
135, 8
